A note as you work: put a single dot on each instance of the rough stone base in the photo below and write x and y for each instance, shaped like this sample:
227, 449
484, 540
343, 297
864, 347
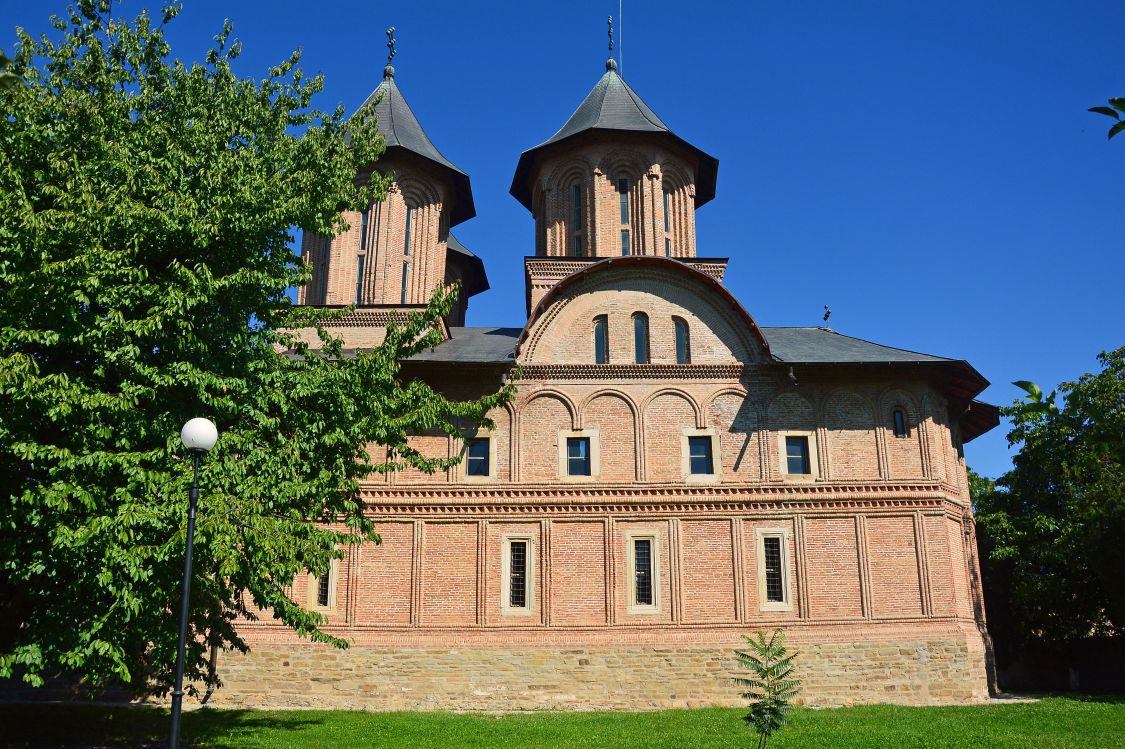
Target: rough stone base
635, 678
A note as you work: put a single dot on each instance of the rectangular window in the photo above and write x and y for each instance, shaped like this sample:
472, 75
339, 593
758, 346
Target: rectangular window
699, 455
601, 339
624, 241
576, 245
623, 189
797, 455
642, 569
576, 206
479, 453
359, 278
667, 211
900, 423
772, 569
405, 277
363, 223
517, 574
667, 248
578, 456
409, 222
322, 588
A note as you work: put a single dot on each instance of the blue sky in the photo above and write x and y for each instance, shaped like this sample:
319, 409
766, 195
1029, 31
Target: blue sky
929, 170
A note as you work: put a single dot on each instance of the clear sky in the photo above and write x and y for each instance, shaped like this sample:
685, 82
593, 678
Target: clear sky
929, 170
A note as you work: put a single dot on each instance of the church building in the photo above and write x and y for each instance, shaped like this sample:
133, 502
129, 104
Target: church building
670, 475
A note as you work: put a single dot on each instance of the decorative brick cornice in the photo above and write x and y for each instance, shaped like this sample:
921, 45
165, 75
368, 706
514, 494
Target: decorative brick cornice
374, 318
618, 372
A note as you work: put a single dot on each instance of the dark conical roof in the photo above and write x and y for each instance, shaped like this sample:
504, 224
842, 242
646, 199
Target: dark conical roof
614, 106
402, 131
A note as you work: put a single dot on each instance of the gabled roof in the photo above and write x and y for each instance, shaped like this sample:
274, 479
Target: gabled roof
614, 106
402, 132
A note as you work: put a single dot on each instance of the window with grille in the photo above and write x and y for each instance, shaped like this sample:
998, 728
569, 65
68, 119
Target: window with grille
323, 588
900, 423
517, 574
797, 455
578, 456
601, 339
642, 570
699, 455
640, 337
478, 458
772, 569
683, 341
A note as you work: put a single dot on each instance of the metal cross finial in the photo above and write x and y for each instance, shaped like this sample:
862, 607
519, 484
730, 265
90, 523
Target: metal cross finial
610, 20
390, 45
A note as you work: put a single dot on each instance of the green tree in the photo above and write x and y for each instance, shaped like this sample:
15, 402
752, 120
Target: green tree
146, 207
1115, 109
771, 687
1051, 529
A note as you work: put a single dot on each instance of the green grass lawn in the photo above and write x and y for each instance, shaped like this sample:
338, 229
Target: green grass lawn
1073, 723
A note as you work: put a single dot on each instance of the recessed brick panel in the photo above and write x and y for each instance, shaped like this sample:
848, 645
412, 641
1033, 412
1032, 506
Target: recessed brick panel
893, 560
449, 573
708, 571
577, 577
832, 561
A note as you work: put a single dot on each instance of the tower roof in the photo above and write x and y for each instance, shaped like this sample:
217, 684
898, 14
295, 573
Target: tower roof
614, 106
402, 132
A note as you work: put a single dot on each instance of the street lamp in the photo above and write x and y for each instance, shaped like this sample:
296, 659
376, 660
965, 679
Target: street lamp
198, 436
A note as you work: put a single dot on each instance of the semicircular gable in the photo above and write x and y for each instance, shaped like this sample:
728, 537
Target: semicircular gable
560, 329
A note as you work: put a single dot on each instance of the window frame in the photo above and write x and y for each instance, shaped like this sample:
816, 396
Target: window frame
603, 338
314, 588
786, 602
577, 243
897, 413
465, 475
506, 575
814, 456
595, 454
360, 263
681, 324
716, 475
631, 537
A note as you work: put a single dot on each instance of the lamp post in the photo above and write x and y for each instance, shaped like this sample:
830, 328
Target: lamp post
198, 436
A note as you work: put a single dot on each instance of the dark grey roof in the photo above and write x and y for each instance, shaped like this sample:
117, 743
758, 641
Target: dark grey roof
475, 346
613, 105
475, 278
826, 346
790, 345
401, 130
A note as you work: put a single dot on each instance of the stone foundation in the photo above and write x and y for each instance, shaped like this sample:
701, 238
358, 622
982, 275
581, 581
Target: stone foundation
631, 678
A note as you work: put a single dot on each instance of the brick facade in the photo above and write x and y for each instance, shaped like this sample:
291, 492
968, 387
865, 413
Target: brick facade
873, 573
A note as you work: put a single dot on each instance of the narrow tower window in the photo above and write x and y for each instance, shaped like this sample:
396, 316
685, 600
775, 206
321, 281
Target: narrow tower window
405, 279
640, 337
409, 228
667, 222
364, 221
683, 341
576, 229
900, 423
359, 278
325, 260
623, 191
601, 340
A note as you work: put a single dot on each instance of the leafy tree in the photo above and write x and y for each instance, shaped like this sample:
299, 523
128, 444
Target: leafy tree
1052, 527
145, 214
771, 687
1115, 109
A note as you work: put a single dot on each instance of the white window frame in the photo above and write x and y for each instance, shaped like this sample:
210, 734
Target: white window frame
595, 454
814, 457
506, 576
631, 572
464, 466
314, 588
786, 602
716, 474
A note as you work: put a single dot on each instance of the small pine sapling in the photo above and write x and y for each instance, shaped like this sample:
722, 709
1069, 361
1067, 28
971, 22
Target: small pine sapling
770, 686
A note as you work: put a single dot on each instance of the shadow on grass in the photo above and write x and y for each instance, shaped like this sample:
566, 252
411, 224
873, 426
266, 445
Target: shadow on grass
93, 726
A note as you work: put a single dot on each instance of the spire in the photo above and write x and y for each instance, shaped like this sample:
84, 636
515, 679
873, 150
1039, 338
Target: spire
610, 63
402, 133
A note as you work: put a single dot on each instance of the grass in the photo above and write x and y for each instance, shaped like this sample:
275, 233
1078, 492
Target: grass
1070, 722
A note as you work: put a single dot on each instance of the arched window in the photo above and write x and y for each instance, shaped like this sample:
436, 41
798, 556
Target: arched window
640, 337
601, 340
577, 220
683, 341
899, 423
623, 186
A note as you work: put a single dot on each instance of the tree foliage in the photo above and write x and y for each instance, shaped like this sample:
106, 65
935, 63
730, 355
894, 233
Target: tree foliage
771, 687
145, 215
1051, 529
1115, 109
